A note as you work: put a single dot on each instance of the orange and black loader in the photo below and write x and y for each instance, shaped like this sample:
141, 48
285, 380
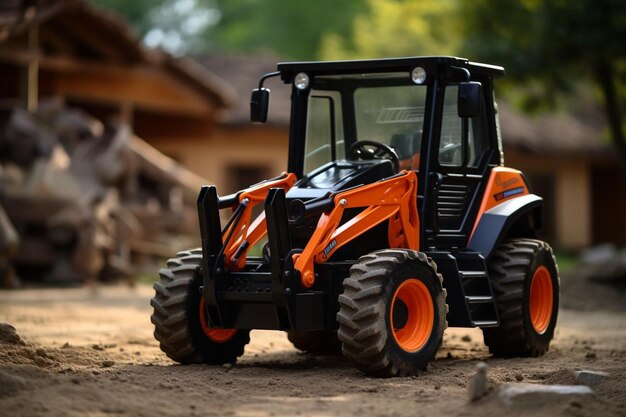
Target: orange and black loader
396, 219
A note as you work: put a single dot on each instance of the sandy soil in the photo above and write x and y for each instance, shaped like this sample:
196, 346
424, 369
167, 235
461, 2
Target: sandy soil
91, 353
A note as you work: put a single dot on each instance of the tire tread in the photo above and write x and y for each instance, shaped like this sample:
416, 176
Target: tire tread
363, 339
508, 268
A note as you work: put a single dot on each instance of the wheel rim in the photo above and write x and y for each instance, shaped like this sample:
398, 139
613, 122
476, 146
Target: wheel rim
215, 335
541, 299
420, 315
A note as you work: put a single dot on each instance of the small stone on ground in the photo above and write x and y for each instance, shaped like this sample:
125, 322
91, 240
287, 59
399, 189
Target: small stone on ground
590, 378
107, 363
8, 334
537, 395
477, 387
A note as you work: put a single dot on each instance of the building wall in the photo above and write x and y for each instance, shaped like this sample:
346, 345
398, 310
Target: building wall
231, 157
573, 204
565, 185
609, 197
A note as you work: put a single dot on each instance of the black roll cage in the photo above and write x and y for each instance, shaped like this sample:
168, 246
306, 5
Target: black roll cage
441, 71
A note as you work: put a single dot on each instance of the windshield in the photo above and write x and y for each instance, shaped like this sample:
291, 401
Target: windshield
324, 133
387, 109
392, 116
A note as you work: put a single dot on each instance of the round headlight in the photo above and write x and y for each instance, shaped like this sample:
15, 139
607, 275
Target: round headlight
418, 75
301, 81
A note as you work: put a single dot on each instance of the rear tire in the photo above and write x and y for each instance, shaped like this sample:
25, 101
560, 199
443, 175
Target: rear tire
316, 343
387, 282
525, 281
178, 320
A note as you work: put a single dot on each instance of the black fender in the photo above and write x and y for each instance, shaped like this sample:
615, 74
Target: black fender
519, 217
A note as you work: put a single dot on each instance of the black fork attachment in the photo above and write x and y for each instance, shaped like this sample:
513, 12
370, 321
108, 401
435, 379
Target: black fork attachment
263, 295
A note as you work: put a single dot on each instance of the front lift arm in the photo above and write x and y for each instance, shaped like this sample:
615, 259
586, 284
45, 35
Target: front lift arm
225, 249
241, 233
393, 199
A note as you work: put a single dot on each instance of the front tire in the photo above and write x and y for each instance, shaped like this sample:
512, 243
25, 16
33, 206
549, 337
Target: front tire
525, 281
179, 317
392, 313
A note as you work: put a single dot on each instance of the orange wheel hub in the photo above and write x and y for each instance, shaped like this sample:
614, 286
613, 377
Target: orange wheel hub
412, 300
541, 299
216, 335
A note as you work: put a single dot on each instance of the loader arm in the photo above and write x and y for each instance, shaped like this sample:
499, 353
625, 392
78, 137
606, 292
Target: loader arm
391, 199
241, 233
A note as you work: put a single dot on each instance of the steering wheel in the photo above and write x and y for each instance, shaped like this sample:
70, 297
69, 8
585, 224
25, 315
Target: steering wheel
366, 150
450, 154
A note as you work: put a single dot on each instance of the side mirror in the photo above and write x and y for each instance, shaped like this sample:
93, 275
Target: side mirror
470, 99
259, 105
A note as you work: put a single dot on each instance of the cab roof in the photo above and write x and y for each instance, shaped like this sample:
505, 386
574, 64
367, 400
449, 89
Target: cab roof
430, 63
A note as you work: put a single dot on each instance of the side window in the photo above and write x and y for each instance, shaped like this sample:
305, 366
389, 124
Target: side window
450, 147
324, 123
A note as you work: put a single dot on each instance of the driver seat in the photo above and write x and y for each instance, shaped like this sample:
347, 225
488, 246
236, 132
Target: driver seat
407, 145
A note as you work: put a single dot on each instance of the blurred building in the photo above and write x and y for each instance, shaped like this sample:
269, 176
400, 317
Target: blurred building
91, 59
576, 172
244, 153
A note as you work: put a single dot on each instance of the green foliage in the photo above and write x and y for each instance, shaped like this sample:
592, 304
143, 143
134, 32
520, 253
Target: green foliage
552, 46
557, 42
398, 28
566, 261
136, 12
292, 29
174, 25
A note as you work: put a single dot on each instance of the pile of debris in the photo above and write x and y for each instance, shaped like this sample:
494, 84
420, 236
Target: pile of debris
605, 264
574, 388
83, 201
598, 280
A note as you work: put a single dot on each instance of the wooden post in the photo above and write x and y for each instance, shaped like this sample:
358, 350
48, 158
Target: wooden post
32, 77
126, 112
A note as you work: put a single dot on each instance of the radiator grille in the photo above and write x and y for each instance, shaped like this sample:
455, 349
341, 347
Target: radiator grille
452, 202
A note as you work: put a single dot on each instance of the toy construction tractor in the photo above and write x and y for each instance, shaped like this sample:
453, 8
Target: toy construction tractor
395, 220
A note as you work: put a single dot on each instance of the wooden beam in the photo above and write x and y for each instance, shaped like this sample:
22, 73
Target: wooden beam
57, 43
32, 92
89, 39
145, 87
126, 113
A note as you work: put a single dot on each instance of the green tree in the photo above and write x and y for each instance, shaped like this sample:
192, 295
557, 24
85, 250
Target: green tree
174, 25
398, 28
136, 12
555, 45
294, 30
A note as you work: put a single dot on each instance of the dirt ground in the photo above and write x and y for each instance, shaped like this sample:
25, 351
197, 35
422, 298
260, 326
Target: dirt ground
91, 353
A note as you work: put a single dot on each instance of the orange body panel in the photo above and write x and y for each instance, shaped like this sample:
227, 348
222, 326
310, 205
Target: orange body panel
504, 184
245, 231
393, 199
